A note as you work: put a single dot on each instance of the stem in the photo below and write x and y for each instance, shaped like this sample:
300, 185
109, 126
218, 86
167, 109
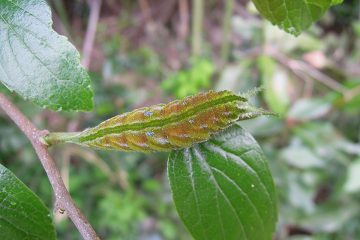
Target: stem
225, 46
62, 196
146, 11
95, 6
197, 25
60, 8
60, 137
184, 19
296, 66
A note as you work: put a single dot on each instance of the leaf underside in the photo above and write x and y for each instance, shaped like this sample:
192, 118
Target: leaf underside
36, 62
223, 188
22, 214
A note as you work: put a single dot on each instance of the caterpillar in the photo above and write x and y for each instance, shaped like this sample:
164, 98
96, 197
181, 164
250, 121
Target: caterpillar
165, 127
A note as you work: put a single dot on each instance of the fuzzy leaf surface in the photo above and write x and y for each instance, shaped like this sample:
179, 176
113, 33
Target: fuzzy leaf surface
36, 62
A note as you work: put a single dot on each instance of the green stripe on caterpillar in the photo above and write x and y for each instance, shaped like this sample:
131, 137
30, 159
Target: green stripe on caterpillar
165, 127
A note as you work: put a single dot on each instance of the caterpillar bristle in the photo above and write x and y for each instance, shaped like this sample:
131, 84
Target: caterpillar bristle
253, 92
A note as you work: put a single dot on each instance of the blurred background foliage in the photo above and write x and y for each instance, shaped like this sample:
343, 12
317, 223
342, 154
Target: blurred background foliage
147, 52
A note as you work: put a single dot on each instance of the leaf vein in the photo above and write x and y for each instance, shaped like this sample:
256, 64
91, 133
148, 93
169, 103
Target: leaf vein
245, 164
206, 164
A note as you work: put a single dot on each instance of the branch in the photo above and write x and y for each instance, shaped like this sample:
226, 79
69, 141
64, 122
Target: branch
197, 27
226, 31
184, 19
350, 94
62, 196
95, 6
146, 11
297, 66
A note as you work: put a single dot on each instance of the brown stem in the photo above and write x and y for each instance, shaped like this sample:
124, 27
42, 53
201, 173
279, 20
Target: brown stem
184, 19
95, 6
146, 11
62, 196
197, 27
296, 66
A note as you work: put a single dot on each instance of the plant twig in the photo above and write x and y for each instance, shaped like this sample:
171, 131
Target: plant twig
146, 11
300, 66
197, 27
63, 16
62, 196
95, 6
350, 94
225, 45
184, 19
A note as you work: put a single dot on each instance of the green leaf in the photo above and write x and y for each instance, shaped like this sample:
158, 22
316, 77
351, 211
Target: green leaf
351, 101
293, 16
301, 157
356, 27
36, 62
336, 2
352, 184
223, 188
22, 213
309, 108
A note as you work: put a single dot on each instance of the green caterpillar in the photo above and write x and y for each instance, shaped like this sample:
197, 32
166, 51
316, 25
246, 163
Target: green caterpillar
165, 127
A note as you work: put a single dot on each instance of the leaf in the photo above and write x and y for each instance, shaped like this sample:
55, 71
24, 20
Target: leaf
223, 188
351, 101
287, 43
331, 219
36, 62
189, 81
352, 184
356, 27
301, 157
264, 126
300, 191
22, 213
293, 16
336, 2
307, 109
232, 76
